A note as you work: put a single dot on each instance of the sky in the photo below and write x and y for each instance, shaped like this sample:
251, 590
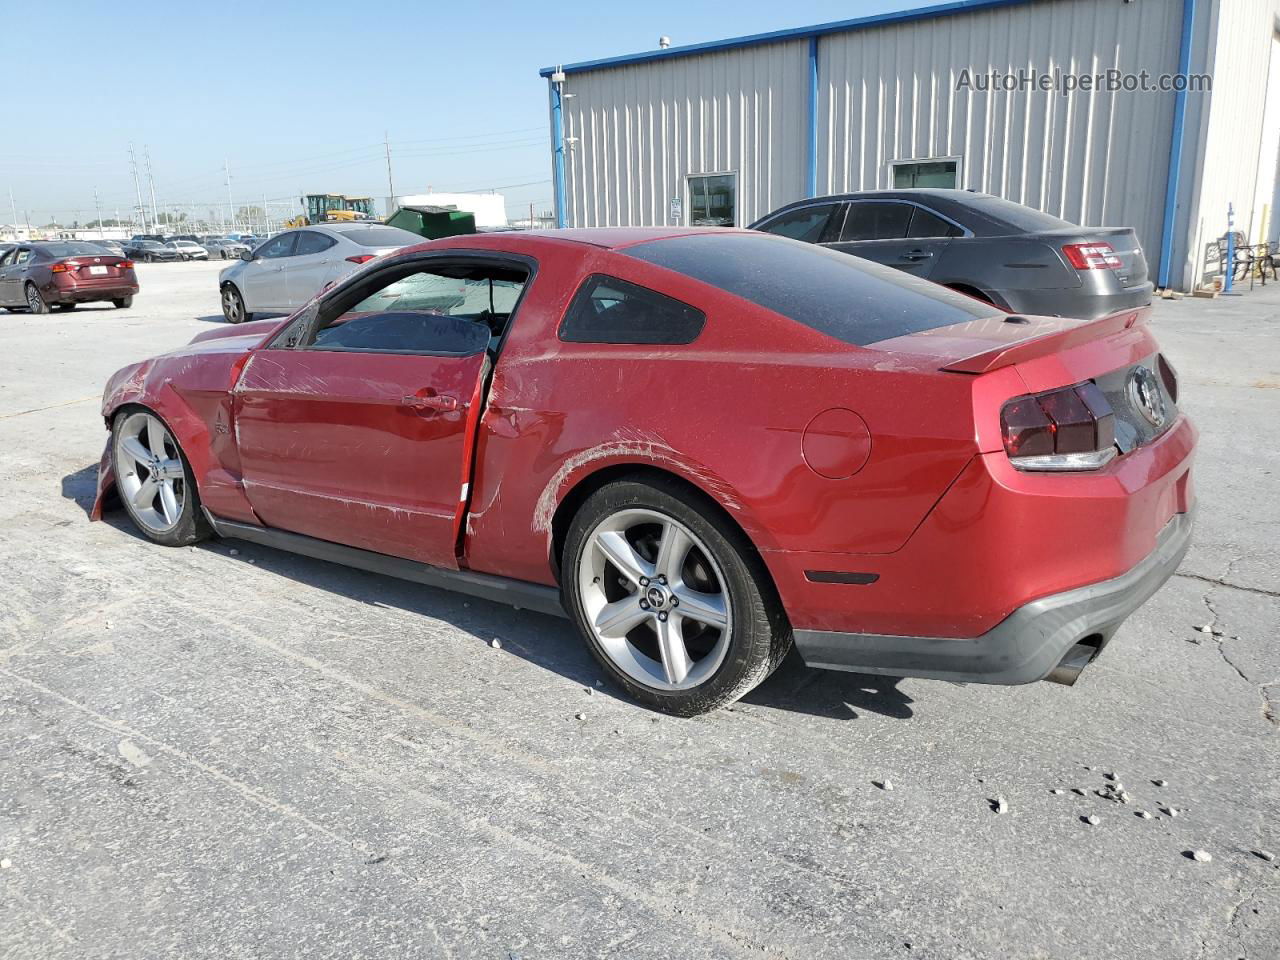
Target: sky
297, 97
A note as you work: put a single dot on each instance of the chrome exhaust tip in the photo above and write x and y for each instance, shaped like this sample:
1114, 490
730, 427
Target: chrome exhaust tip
1068, 671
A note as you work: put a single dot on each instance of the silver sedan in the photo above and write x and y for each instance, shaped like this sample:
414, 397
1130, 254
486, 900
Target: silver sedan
289, 269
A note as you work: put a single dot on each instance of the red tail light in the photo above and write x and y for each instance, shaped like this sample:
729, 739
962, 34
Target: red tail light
125, 265
1069, 429
1091, 256
361, 258
62, 267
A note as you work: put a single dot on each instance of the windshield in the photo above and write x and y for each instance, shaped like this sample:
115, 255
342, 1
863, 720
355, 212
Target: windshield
71, 249
380, 236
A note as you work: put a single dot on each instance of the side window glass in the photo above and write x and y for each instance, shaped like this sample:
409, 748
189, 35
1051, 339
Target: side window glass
807, 223
6, 258
311, 242
451, 310
23, 256
925, 223
608, 310
876, 220
281, 246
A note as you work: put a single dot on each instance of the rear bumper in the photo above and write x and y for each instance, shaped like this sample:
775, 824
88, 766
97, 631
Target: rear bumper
1027, 645
1078, 302
89, 292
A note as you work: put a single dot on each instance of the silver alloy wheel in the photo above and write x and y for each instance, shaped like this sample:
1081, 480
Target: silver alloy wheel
149, 472
34, 301
232, 306
655, 599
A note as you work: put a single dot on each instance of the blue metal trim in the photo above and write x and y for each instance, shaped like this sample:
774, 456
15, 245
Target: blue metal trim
811, 184
795, 33
557, 150
1176, 146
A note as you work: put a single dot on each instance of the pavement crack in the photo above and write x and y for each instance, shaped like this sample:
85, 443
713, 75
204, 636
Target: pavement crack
1220, 638
1221, 582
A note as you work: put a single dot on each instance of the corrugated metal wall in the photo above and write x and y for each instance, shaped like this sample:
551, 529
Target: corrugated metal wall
1231, 135
641, 129
889, 93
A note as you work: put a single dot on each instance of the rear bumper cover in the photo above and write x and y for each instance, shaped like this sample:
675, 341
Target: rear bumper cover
1022, 648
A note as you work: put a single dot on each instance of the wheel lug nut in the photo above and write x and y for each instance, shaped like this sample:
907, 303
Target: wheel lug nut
663, 616
644, 604
675, 601
644, 581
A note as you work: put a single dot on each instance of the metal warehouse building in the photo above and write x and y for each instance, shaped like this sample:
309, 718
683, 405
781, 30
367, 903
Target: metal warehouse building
725, 132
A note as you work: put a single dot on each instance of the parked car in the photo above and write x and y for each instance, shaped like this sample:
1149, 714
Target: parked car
286, 271
1007, 254
188, 249
113, 247
698, 444
63, 274
224, 248
157, 237
151, 251
189, 237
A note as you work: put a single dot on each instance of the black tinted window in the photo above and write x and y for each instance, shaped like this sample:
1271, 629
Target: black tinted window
927, 224
845, 297
404, 332
311, 242
807, 223
609, 310
876, 220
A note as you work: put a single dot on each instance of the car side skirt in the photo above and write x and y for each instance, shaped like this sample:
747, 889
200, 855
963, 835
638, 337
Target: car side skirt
517, 593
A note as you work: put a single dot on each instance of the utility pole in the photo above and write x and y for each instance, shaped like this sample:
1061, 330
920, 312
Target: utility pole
231, 209
133, 166
98, 208
13, 207
155, 214
391, 188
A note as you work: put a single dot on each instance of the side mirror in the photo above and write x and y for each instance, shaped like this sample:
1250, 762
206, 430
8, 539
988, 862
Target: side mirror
246, 255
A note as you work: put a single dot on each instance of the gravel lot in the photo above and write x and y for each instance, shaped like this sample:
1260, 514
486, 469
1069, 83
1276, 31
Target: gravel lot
227, 751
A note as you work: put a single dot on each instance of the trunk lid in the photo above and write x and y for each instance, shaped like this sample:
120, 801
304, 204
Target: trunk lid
1132, 271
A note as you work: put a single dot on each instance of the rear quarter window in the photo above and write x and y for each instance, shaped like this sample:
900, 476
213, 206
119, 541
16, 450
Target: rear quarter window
843, 296
608, 310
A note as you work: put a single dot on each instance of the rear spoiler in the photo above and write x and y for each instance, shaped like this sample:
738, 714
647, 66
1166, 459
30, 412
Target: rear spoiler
1045, 344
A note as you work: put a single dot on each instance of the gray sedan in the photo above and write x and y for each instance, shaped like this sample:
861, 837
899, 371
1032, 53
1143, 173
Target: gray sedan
224, 248
284, 272
1007, 254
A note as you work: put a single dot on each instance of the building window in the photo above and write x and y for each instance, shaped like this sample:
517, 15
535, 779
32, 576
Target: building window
940, 174
713, 200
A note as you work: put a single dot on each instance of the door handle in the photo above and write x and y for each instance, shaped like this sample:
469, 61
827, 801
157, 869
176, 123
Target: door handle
917, 255
432, 404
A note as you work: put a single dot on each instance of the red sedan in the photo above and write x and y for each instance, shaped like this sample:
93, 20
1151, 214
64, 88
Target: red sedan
700, 444
64, 274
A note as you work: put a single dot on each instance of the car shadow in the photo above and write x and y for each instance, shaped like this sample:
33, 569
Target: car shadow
545, 641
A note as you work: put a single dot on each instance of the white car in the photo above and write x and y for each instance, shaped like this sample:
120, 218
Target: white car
289, 269
188, 249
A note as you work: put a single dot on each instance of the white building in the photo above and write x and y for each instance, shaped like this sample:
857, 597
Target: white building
725, 132
489, 209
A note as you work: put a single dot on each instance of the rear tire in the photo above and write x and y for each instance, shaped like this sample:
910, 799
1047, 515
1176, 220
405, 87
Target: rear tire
35, 302
154, 479
670, 597
233, 305
123, 303
66, 306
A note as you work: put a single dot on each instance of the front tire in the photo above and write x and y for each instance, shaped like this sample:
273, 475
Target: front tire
35, 302
670, 597
154, 480
233, 305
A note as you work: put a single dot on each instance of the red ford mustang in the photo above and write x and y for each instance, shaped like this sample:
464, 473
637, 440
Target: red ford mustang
700, 444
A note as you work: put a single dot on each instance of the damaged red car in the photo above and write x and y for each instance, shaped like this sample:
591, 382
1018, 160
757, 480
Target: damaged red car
700, 445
